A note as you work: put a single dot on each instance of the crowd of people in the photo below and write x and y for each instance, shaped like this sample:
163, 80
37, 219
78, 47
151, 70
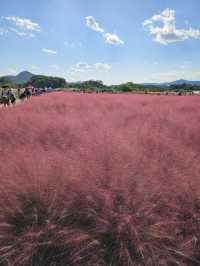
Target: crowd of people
9, 96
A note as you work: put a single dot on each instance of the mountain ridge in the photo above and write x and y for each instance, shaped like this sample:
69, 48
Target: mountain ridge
21, 78
176, 82
25, 76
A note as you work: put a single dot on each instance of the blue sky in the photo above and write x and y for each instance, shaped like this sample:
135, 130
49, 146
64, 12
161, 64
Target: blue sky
112, 40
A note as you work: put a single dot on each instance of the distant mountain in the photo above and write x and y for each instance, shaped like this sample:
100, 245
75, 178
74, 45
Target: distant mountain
26, 76
21, 78
176, 82
38, 81
183, 81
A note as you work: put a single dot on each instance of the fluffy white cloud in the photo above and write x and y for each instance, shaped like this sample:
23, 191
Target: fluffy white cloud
82, 67
22, 33
110, 38
92, 24
48, 51
113, 39
23, 27
168, 33
24, 23
102, 67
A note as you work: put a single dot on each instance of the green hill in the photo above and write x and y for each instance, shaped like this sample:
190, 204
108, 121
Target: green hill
21, 78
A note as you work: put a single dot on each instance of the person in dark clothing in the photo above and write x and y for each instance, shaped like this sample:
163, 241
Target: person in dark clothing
18, 92
27, 93
12, 99
8, 93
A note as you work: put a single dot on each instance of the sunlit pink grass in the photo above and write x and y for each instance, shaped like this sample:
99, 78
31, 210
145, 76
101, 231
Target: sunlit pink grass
110, 180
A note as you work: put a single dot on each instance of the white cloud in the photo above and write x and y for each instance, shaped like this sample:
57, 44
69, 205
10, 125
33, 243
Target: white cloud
22, 33
102, 67
23, 27
24, 23
110, 38
82, 65
168, 33
48, 51
80, 68
74, 70
86, 68
113, 39
92, 24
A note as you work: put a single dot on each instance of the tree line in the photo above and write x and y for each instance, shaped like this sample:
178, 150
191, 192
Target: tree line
41, 81
38, 81
98, 86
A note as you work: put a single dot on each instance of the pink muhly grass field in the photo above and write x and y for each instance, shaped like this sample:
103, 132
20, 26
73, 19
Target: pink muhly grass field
100, 180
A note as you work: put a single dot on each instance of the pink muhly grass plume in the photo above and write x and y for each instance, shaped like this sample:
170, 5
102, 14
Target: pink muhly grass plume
105, 180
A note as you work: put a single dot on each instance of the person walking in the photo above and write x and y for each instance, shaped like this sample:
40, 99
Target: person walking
8, 93
27, 93
12, 99
18, 92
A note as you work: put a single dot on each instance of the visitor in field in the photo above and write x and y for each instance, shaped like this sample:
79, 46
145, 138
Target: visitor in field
8, 93
3, 93
27, 93
18, 92
12, 98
